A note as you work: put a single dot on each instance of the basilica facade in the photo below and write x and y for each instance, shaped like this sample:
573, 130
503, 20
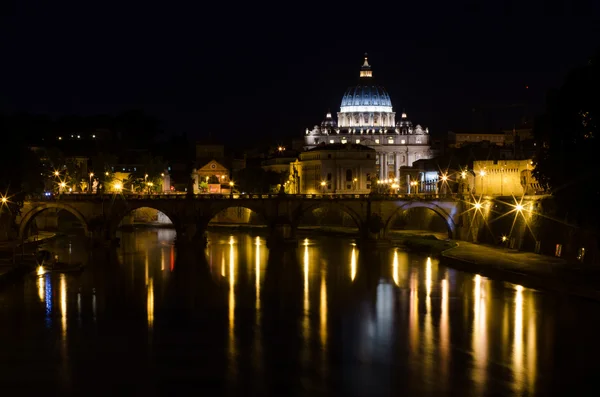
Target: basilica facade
366, 117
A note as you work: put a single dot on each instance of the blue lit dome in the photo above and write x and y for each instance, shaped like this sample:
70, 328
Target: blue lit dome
366, 95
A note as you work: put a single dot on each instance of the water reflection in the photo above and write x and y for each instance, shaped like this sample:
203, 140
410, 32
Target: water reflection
418, 329
479, 332
353, 263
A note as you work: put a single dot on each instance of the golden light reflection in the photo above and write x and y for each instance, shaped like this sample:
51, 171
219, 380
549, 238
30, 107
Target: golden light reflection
150, 303
63, 303
518, 339
306, 272
40, 270
479, 332
353, 264
146, 264
223, 266
413, 317
257, 272
428, 277
231, 295
41, 284
445, 329
162, 260
395, 270
323, 310
531, 348
428, 345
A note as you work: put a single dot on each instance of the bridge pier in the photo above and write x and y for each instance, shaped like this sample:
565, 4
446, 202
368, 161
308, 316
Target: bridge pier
282, 236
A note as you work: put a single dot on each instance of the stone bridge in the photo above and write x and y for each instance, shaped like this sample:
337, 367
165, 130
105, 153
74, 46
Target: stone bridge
101, 215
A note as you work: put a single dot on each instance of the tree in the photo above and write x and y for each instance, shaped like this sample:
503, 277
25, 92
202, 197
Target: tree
567, 141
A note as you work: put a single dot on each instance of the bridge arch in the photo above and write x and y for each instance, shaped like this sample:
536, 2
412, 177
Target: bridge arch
117, 217
306, 209
29, 216
441, 212
223, 209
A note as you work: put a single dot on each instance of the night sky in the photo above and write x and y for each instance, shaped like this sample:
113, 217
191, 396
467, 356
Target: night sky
258, 73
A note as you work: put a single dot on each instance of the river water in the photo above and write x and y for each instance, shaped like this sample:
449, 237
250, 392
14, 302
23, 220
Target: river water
325, 320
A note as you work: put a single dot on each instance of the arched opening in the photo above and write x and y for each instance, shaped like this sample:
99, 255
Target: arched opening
420, 220
332, 218
50, 220
237, 217
145, 217
145, 225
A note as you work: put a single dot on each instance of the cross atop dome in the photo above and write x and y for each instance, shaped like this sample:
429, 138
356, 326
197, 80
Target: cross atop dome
365, 70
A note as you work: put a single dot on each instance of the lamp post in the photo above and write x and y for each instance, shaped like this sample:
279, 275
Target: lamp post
90, 185
355, 180
231, 188
323, 183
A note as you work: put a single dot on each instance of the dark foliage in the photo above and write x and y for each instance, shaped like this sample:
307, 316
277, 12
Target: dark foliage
567, 140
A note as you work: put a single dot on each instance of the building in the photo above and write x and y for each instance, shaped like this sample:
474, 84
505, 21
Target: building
459, 139
366, 117
212, 177
505, 178
333, 168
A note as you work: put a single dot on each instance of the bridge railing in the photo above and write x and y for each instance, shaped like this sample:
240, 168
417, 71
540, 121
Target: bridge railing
267, 196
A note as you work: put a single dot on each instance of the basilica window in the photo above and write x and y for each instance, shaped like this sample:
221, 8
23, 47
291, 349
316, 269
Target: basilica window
418, 140
358, 141
391, 141
329, 176
403, 141
376, 140
316, 141
331, 141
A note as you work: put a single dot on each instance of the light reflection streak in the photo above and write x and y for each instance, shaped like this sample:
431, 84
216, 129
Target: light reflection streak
479, 332
257, 272
146, 268
63, 304
41, 284
162, 259
306, 272
150, 304
518, 339
172, 257
428, 326
531, 349
323, 310
395, 270
353, 264
231, 296
445, 329
413, 317
94, 305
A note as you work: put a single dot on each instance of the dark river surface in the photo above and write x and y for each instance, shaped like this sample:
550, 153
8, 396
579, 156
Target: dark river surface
326, 320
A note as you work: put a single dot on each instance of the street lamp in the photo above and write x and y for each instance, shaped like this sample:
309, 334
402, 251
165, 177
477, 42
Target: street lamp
90, 185
118, 186
62, 186
4, 200
56, 173
231, 188
323, 183
355, 180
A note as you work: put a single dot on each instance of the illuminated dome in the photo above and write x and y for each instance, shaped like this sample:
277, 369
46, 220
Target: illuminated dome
366, 96
366, 104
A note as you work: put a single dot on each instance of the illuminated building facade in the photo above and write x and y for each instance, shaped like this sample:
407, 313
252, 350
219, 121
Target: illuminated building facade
333, 168
366, 117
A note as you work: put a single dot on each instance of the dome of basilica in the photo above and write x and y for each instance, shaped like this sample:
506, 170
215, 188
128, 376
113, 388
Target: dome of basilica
366, 95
